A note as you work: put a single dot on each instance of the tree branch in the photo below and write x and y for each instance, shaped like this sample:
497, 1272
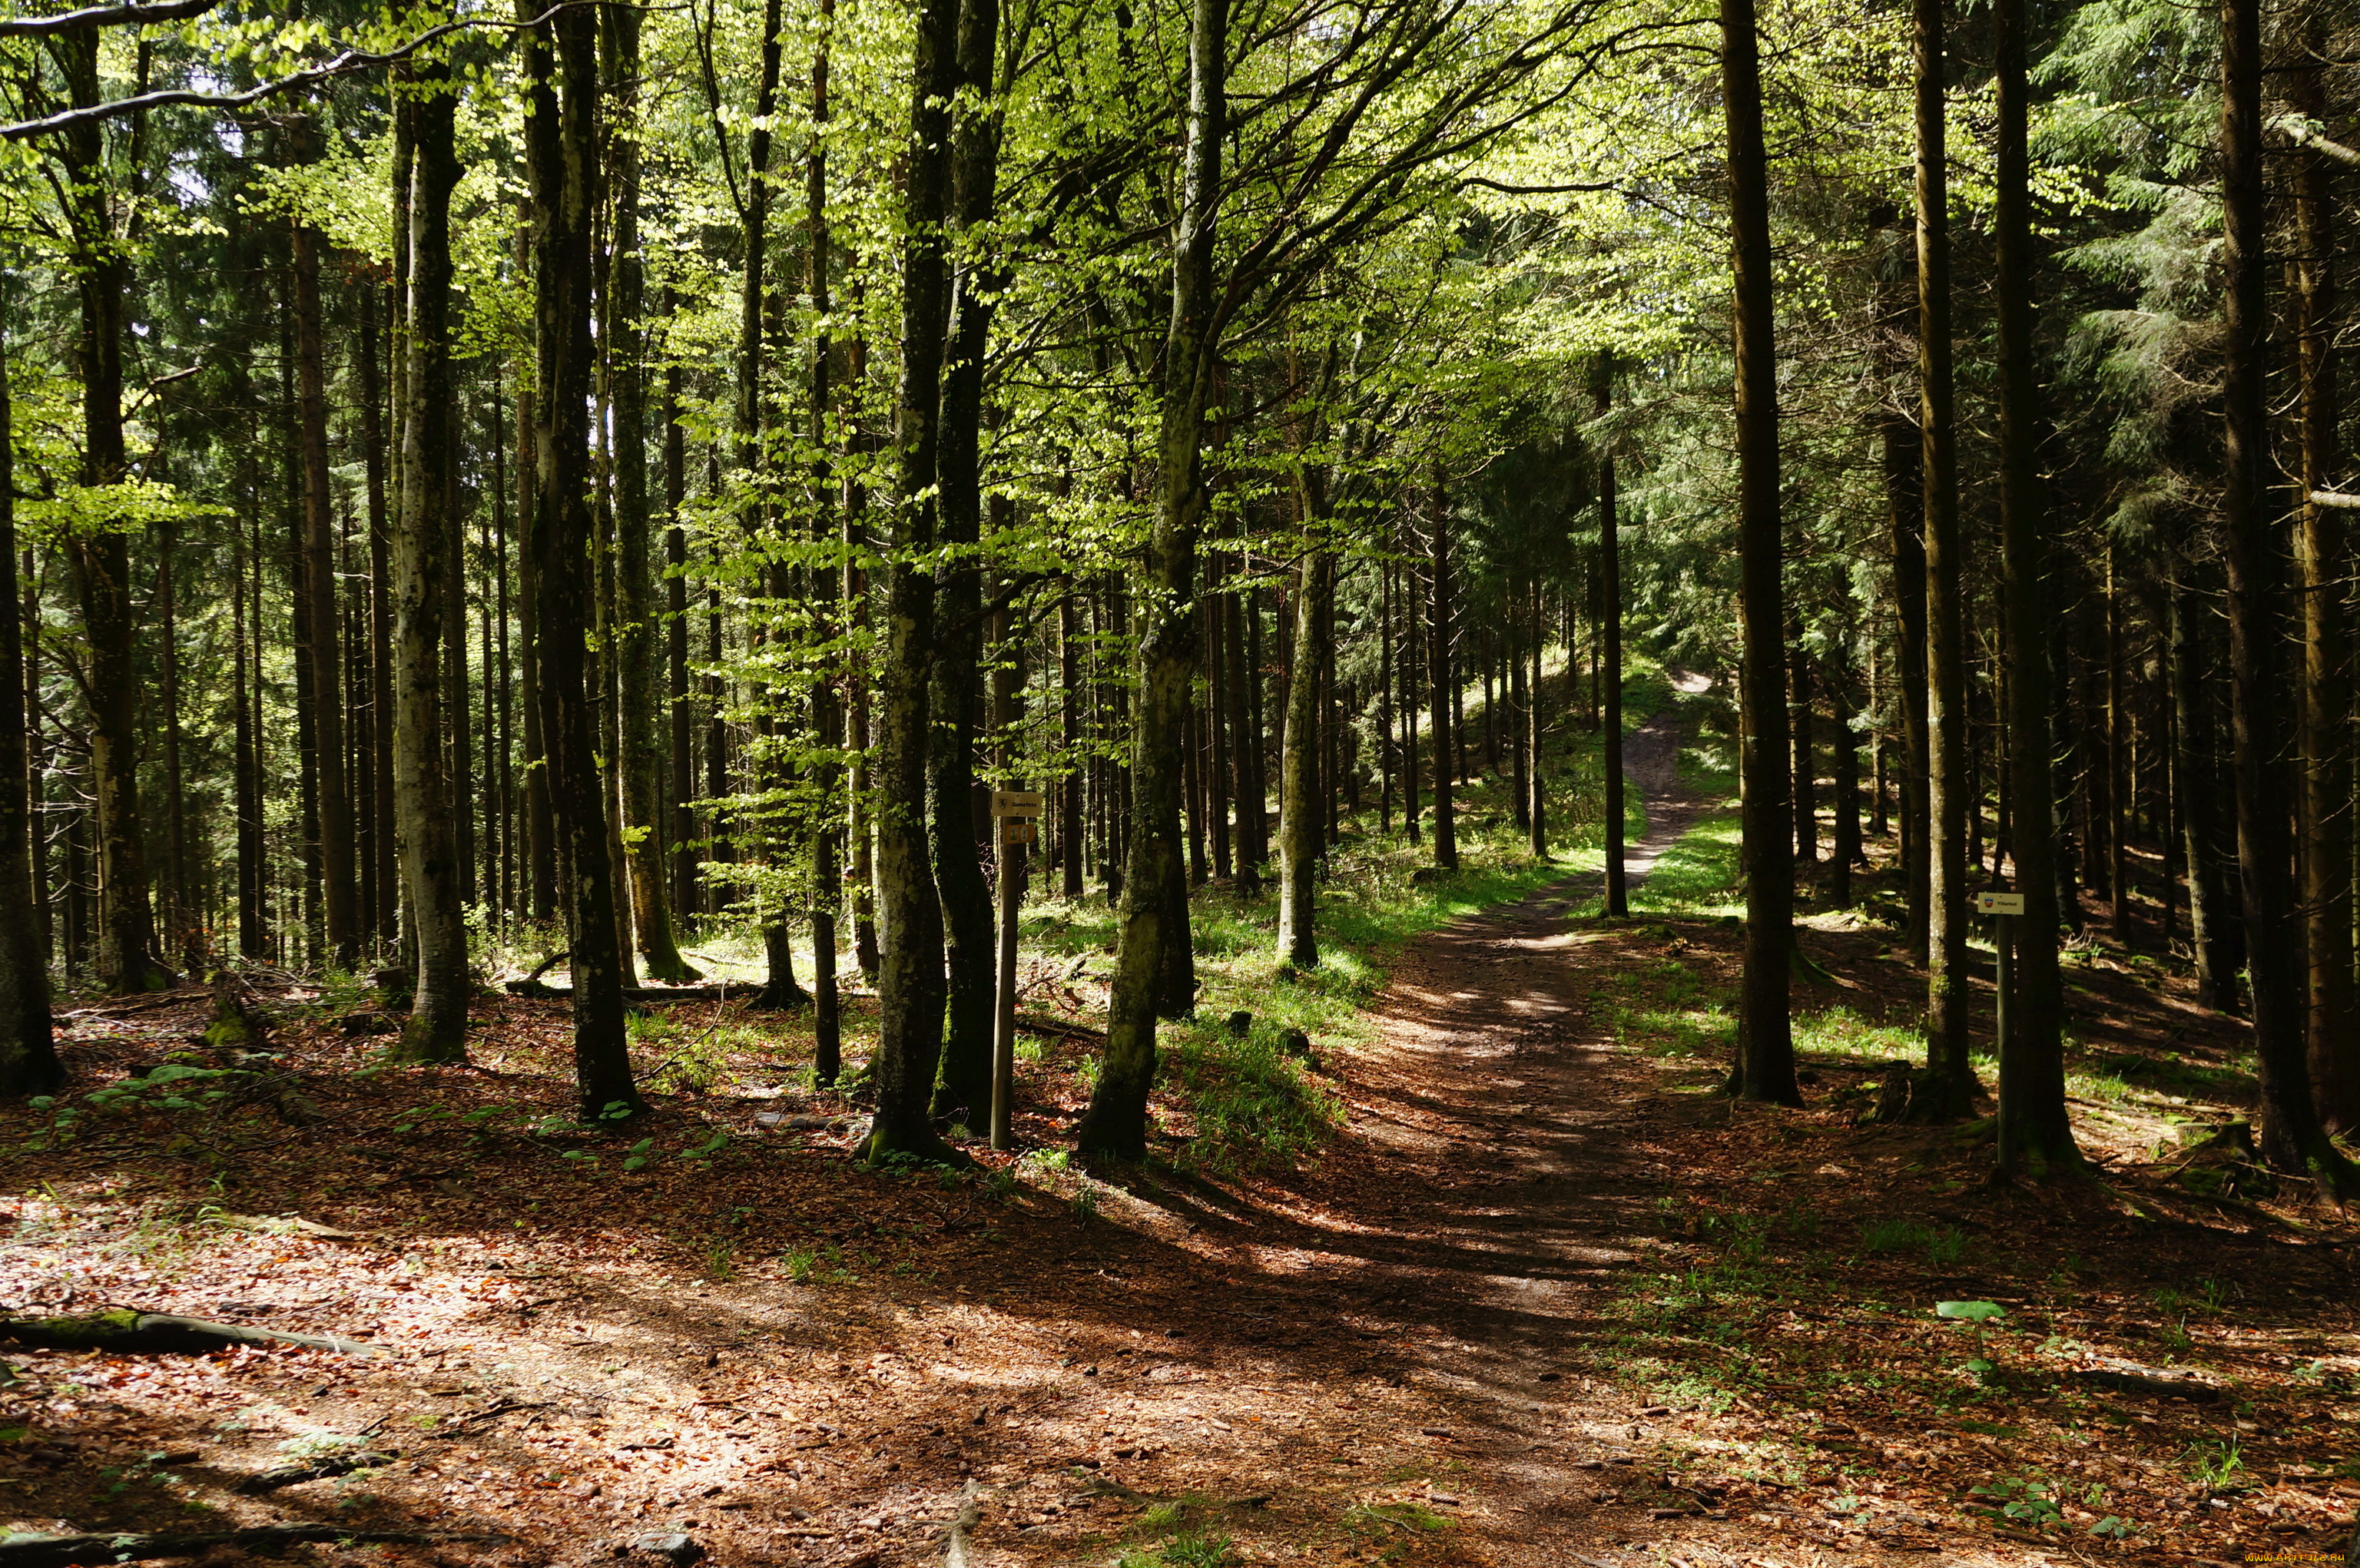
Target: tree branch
1478, 180
129, 15
344, 64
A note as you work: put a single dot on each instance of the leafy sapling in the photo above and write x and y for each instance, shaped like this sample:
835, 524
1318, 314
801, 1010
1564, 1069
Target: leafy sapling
1978, 1315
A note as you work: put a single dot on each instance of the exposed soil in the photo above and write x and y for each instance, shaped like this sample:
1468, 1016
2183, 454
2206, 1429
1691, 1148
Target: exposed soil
1543, 1301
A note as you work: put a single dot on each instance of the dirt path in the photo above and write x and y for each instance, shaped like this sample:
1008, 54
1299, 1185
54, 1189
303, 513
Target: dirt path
1651, 761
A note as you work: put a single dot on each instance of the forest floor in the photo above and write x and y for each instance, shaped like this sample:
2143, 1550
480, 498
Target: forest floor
1540, 1296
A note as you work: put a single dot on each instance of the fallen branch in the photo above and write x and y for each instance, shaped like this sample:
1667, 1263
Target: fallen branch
1058, 1026
71, 1551
124, 1008
969, 1515
124, 1331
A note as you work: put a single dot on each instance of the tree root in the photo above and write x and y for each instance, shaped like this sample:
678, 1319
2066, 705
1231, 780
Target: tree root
72, 1551
124, 1330
323, 1469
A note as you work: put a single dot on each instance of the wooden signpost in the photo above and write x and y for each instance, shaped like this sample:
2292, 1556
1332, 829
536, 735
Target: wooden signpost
1017, 811
2003, 907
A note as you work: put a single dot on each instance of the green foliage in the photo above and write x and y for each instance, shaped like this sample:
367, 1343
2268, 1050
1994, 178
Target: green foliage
2027, 1501
2215, 1462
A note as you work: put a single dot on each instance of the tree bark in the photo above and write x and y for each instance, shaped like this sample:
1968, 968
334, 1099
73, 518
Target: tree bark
679, 824
1800, 696
1902, 458
377, 919
1298, 816
2324, 560
909, 982
1442, 686
2210, 917
1765, 1068
425, 806
1116, 1121
28, 1055
2035, 1136
968, 948
625, 341
1070, 836
828, 595
560, 147
2291, 1137
322, 624
1844, 741
128, 959
1610, 597
1951, 1084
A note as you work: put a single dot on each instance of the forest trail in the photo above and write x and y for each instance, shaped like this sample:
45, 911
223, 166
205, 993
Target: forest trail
1504, 1134
1651, 761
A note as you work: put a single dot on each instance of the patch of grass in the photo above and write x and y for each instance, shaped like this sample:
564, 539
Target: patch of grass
1839, 1031
1252, 1102
1942, 1247
1190, 1548
1698, 875
1408, 1515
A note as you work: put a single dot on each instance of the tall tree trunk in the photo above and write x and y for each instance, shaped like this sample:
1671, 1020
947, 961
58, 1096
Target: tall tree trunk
1229, 609
1765, 1068
2036, 1137
1441, 636
968, 949
1518, 640
1116, 1123
2120, 808
679, 824
1902, 457
246, 784
425, 806
1844, 741
1950, 1085
128, 959
909, 982
379, 917
2291, 1137
1536, 807
1610, 648
1298, 816
562, 144
636, 651
780, 990
323, 625
1071, 788
2323, 558
541, 823
1807, 805
2210, 918
827, 595
504, 890
29, 1054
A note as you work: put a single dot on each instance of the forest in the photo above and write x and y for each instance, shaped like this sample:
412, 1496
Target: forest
1177, 783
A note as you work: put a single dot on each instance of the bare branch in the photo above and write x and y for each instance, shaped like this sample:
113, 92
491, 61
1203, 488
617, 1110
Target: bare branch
2302, 133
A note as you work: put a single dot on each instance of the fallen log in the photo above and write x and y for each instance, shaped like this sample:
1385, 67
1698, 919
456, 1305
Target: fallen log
124, 1331
539, 992
74, 1550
